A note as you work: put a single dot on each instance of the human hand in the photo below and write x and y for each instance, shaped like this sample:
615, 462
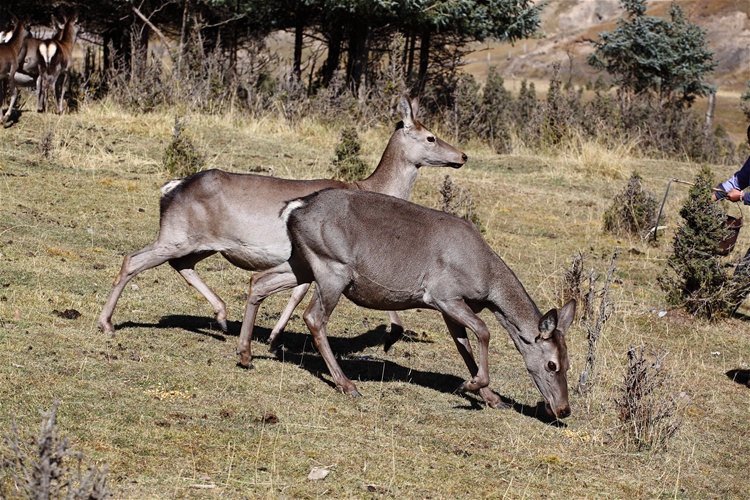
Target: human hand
735, 195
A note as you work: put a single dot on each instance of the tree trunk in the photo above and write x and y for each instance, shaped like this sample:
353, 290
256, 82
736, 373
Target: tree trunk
357, 55
183, 38
412, 49
424, 58
299, 30
117, 49
710, 114
335, 39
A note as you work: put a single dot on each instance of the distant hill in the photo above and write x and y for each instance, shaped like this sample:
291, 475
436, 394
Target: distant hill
569, 23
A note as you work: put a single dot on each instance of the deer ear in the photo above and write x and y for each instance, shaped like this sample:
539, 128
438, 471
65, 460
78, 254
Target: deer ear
415, 108
405, 110
547, 324
566, 316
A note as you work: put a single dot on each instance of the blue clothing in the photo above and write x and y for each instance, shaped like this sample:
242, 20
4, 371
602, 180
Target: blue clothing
740, 180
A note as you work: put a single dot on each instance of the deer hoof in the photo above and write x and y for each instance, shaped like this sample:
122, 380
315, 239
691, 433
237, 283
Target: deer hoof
464, 387
247, 366
274, 342
246, 360
107, 327
222, 324
351, 392
493, 399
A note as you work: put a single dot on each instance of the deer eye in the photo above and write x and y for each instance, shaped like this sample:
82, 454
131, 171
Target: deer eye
551, 366
430, 138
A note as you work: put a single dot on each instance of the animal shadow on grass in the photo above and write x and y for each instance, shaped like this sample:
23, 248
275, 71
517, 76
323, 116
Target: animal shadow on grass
15, 115
740, 376
298, 349
196, 324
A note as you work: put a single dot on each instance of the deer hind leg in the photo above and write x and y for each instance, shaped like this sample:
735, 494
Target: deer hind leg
262, 285
132, 264
41, 98
13, 91
60, 84
316, 317
298, 294
397, 330
186, 267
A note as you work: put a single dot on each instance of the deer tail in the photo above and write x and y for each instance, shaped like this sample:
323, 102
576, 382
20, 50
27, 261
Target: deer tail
47, 50
291, 207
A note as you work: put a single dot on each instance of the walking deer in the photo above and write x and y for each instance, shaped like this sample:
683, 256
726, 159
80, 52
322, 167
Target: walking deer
239, 215
385, 253
9, 64
28, 62
55, 61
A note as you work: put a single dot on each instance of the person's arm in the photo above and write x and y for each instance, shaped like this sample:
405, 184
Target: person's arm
739, 181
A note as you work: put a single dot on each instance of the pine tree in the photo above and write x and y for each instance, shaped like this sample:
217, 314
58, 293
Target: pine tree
650, 55
496, 105
695, 277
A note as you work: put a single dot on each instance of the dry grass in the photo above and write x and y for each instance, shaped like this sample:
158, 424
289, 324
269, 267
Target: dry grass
164, 405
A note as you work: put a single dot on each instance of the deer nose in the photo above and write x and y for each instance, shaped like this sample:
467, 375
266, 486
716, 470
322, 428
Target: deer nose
563, 411
464, 157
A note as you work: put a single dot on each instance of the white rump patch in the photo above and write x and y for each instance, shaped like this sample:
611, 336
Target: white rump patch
290, 207
48, 51
169, 186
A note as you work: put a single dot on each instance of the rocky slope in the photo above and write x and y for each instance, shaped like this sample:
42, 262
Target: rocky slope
570, 24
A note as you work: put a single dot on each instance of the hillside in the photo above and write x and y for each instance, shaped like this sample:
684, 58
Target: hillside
568, 24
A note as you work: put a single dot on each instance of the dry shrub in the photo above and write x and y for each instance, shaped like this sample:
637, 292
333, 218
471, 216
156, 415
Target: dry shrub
182, 158
348, 165
45, 466
649, 406
47, 143
458, 201
632, 211
596, 309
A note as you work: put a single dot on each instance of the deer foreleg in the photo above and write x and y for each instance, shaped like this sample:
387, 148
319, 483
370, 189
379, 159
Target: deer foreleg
186, 267
458, 316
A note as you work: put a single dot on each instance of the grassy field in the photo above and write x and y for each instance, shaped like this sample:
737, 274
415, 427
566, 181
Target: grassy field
165, 407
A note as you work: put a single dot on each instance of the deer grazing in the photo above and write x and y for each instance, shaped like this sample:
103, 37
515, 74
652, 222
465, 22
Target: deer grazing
385, 253
9, 53
55, 59
238, 215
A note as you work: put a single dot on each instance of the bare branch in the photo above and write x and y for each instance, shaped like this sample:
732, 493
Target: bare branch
156, 30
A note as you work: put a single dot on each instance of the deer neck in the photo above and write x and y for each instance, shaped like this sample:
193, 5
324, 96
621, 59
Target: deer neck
69, 33
395, 175
18, 39
512, 305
